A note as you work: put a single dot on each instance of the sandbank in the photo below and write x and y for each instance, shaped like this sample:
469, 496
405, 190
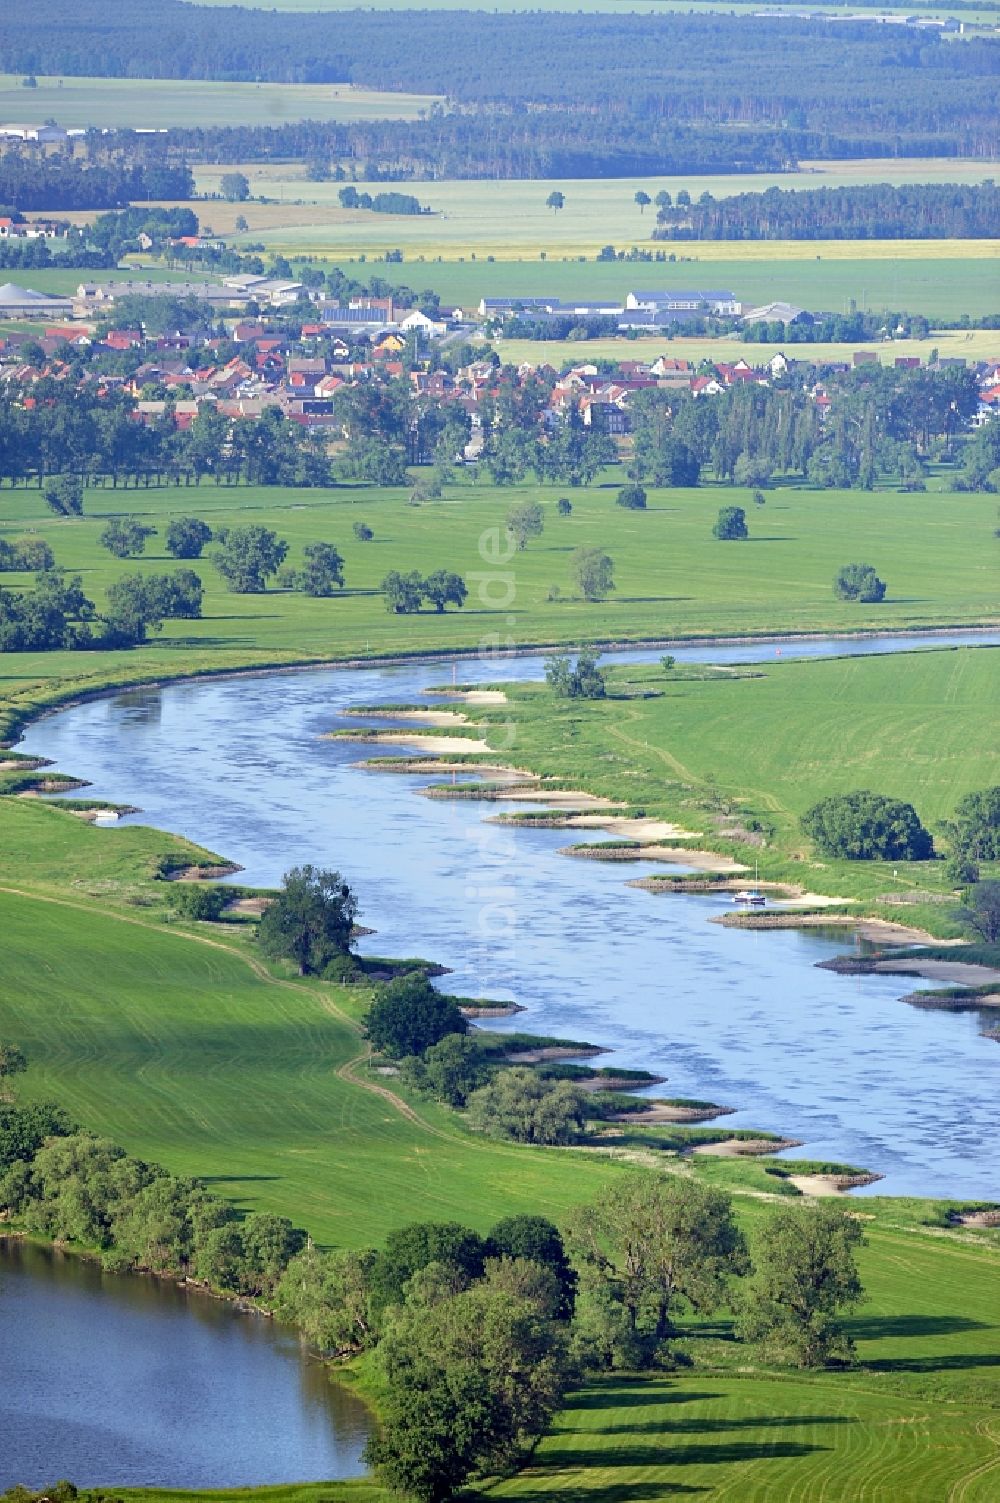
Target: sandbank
438, 746
569, 798
817, 1185
662, 1111
631, 829
741, 1148
471, 696
956, 972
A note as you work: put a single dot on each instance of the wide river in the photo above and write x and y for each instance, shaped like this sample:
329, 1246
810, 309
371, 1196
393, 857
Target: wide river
741, 1018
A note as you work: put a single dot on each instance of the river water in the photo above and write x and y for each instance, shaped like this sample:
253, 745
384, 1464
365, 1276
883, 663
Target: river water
125, 1381
744, 1019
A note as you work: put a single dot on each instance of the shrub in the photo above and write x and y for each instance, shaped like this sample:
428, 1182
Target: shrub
859, 582
731, 524
196, 901
866, 826
632, 497
409, 1015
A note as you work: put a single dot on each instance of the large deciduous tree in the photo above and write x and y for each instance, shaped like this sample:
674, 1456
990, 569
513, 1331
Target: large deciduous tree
866, 826
805, 1276
408, 1015
310, 921
650, 1244
248, 556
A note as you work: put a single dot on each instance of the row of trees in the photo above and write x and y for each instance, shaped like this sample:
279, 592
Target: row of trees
81, 432
880, 211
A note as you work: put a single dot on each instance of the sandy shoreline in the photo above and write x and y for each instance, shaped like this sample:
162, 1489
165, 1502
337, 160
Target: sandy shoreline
438, 746
956, 972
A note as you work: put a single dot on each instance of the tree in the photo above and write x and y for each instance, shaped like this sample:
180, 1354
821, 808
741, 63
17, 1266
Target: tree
12, 1062
977, 823
859, 582
235, 187
582, 681
448, 1070
323, 570
409, 1015
555, 201
524, 521
362, 532
240, 224
136, 605
444, 588
248, 556
410, 1249
64, 494
631, 496
564, 506
642, 198
982, 911
30, 555
805, 1274
403, 592
327, 1296
651, 1243
187, 536
125, 537
538, 1240
179, 595
524, 1107
469, 1383
310, 921
663, 199
592, 572
866, 826
731, 524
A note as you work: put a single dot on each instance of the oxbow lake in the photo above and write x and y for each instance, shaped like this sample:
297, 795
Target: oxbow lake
744, 1019
126, 1381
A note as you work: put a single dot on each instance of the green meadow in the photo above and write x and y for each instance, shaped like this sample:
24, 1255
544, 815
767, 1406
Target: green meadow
707, 749
157, 103
673, 579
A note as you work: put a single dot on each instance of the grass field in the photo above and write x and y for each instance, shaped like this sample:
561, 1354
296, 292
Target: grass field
921, 728
157, 103
673, 578
508, 222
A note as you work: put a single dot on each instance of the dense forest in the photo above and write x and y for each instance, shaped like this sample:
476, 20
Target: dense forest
921, 211
31, 181
551, 83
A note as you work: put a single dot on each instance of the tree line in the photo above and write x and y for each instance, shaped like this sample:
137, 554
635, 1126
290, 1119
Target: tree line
881, 211
804, 88
30, 180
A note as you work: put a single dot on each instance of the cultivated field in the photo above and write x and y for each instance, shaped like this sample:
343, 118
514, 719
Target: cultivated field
980, 344
158, 103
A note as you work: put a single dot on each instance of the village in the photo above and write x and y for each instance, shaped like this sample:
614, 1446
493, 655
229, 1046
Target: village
269, 343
